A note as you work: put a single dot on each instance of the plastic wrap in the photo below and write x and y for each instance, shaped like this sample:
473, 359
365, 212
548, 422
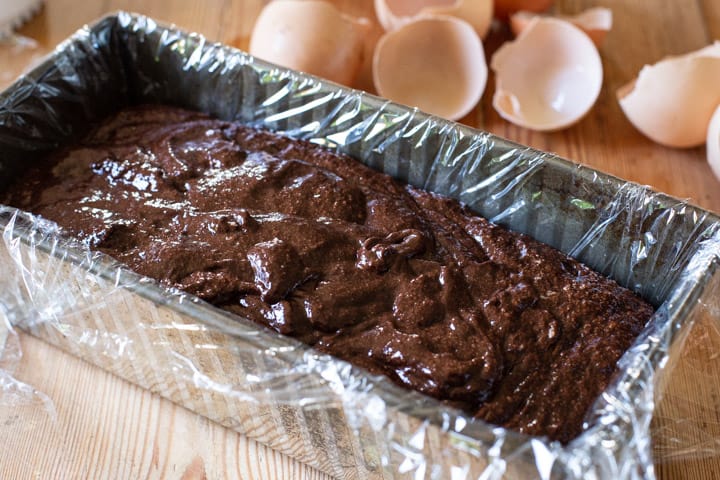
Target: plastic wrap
313, 407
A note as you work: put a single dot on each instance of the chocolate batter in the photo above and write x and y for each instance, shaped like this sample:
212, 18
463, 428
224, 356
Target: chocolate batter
317, 246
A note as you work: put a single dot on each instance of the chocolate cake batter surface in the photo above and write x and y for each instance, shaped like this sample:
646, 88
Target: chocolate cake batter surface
315, 245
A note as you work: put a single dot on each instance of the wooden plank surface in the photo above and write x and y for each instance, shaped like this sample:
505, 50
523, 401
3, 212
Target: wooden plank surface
106, 428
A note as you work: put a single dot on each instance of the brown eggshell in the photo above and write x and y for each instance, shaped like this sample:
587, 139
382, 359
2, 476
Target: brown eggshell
435, 63
392, 14
672, 101
312, 36
549, 77
595, 22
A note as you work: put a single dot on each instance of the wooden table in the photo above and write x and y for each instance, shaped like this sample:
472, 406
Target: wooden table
103, 427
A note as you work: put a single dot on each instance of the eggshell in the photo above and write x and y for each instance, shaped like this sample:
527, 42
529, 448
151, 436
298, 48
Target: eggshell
713, 143
14, 13
549, 77
392, 14
505, 8
671, 102
435, 63
312, 36
364, 78
595, 22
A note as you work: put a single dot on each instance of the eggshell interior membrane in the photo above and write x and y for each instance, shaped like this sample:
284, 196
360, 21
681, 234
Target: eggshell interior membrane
312, 36
392, 14
595, 22
549, 77
713, 143
436, 64
671, 102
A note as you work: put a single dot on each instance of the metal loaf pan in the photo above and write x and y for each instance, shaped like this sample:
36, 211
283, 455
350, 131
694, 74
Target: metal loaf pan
320, 410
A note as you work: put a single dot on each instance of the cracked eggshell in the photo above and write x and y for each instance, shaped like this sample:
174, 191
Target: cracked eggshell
312, 36
671, 102
392, 14
713, 143
549, 77
364, 12
595, 22
435, 63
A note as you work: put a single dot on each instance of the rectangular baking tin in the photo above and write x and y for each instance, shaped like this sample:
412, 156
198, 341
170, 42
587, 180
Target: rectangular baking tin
316, 408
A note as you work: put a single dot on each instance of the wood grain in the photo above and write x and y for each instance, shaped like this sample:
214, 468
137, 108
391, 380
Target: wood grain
686, 423
644, 31
711, 12
105, 427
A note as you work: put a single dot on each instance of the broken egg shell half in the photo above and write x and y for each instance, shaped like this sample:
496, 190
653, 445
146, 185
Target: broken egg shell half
671, 102
435, 63
312, 36
549, 77
595, 22
392, 14
713, 143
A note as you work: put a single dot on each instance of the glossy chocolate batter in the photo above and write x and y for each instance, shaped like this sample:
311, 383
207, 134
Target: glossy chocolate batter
317, 246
